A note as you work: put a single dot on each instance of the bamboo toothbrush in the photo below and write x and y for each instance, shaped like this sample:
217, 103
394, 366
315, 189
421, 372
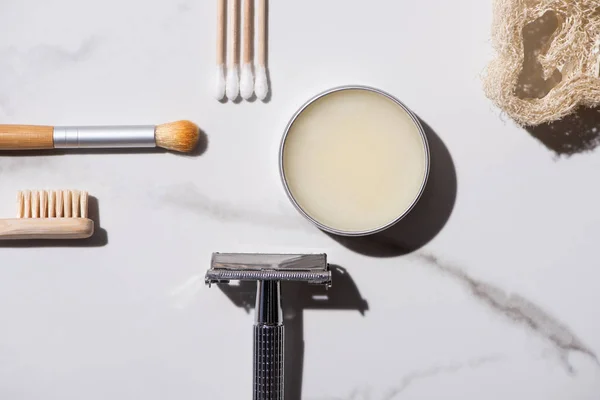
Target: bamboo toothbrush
180, 136
56, 214
232, 88
247, 78
262, 83
221, 39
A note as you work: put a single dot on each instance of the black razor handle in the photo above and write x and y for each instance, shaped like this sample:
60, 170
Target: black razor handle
268, 362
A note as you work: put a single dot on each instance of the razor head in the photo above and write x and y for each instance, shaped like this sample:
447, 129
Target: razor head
310, 268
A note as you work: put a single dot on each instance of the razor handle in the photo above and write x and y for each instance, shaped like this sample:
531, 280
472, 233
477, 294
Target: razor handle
268, 342
268, 362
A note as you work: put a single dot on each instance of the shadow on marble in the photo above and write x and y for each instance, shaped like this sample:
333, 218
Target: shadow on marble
198, 151
98, 239
576, 133
426, 219
297, 297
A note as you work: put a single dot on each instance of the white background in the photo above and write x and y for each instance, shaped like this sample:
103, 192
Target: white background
501, 313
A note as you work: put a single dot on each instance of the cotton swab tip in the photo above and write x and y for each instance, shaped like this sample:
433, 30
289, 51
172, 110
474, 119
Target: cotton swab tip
261, 86
246, 82
220, 82
232, 88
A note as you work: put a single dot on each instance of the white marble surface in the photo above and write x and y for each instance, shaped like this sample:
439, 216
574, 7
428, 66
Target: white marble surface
501, 303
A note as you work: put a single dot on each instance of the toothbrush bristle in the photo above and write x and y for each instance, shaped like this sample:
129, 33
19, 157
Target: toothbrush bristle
27, 204
83, 202
35, 204
43, 204
52, 204
67, 202
59, 204
75, 203
20, 208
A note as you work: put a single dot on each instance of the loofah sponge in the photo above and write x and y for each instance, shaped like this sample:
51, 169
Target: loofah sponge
548, 58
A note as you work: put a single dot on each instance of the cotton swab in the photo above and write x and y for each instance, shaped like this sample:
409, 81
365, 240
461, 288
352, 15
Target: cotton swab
232, 88
247, 79
221, 35
262, 85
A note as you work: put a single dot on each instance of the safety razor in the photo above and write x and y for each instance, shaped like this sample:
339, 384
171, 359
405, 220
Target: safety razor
268, 270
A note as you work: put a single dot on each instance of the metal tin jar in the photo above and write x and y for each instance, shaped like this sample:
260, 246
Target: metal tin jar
320, 225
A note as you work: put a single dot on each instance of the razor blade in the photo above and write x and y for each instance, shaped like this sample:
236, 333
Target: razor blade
310, 268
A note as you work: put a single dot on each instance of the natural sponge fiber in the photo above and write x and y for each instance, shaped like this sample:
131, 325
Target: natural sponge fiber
548, 58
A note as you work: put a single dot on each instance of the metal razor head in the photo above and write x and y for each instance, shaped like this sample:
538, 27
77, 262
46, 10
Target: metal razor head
310, 268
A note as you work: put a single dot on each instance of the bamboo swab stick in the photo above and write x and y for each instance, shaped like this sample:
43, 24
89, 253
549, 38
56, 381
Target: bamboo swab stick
262, 32
248, 31
262, 85
221, 39
247, 79
232, 89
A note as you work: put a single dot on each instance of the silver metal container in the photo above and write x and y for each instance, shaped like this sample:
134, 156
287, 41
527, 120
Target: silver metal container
286, 186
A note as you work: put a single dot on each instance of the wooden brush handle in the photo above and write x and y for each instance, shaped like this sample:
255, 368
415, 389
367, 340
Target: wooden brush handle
46, 228
26, 137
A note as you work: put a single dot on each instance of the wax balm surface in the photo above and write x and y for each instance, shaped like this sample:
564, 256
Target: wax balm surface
354, 160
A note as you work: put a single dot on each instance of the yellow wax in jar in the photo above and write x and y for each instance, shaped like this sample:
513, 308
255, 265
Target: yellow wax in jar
354, 160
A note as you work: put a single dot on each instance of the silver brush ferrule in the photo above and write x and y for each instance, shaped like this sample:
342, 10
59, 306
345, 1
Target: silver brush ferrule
75, 137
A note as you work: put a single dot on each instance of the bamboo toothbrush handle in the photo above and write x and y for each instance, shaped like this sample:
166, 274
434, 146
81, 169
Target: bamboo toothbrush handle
26, 137
46, 228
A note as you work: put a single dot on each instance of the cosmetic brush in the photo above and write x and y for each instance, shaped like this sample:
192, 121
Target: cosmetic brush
247, 78
261, 86
221, 34
179, 136
232, 88
55, 214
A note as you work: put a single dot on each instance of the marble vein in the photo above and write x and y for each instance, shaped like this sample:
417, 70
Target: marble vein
189, 198
18, 164
17, 67
415, 377
57, 56
519, 310
184, 7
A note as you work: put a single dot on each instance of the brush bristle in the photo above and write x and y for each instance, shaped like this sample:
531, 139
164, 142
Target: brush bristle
52, 204
181, 136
